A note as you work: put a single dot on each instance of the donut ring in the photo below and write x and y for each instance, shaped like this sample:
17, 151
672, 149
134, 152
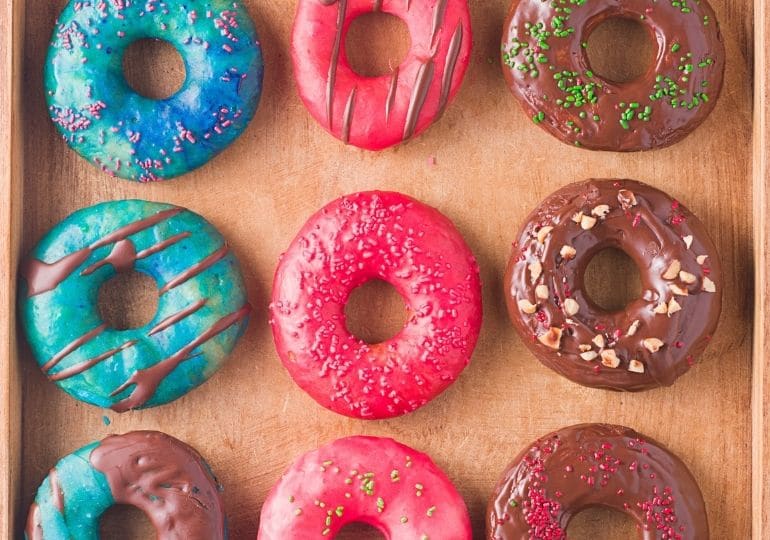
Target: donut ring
378, 112
380, 482
394, 238
596, 465
546, 66
161, 476
202, 307
658, 336
133, 137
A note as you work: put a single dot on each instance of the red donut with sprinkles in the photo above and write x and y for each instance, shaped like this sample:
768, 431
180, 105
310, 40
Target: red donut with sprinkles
379, 112
396, 239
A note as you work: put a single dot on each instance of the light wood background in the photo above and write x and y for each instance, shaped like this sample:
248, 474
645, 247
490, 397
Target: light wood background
485, 166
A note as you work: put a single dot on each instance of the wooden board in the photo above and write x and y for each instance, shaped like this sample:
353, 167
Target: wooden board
485, 166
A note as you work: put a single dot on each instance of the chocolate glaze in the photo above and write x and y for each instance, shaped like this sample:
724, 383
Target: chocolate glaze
34, 527
655, 231
596, 465
692, 82
167, 480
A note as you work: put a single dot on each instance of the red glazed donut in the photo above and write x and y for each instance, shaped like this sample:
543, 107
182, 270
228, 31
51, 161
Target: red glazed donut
394, 238
378, 112
368, 480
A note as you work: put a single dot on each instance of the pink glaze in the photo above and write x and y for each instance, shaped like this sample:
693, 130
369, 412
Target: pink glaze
394, 238
368, 480
378, 112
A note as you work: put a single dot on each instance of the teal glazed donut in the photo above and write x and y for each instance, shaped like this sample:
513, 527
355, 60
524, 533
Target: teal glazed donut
131, 136
202, 309
165, 478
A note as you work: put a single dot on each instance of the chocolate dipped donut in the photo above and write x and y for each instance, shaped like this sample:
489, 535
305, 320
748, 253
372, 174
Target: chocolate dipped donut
589, 465
658, 336
546, 66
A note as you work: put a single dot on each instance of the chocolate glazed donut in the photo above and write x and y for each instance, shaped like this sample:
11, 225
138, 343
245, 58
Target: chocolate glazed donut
546, 66
657, 337
596, 465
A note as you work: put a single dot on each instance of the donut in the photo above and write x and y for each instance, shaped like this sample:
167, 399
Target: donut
545, 64
658, 336
589, 465
131, 136
379, 112
163, 477
370, 480
396, 239
202, 306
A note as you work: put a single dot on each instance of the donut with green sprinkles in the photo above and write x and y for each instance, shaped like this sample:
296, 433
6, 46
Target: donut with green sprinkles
370, 480
546, 66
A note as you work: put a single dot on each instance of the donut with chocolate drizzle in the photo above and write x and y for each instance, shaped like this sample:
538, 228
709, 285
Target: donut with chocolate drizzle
202, 306
545, 63
378, 112
658, 336
590, 465
158, 474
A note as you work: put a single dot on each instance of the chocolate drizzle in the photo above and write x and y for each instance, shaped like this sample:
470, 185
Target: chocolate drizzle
167, 480
419, 93
147, 380
391, 94
438, 20
196, 269
176, 317
450, 66
74, 345
377, 5
348, 116
77, 369
34, 528
331, 79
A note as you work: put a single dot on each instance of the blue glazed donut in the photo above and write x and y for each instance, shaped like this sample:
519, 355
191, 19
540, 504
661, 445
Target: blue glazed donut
152, 471
202, 309
131, 136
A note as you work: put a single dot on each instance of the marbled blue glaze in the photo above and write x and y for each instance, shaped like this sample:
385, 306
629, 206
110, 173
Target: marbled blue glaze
56, 318
137, 138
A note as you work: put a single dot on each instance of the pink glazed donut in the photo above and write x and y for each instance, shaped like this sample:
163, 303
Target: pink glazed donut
368, 480
394, 238
379, 112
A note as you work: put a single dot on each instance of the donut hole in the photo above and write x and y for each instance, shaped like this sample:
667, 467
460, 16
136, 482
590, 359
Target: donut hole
612, 280
375, 312
128, 300
376, 44
359, 531
621, 49
602, 523
124, 522
153, 68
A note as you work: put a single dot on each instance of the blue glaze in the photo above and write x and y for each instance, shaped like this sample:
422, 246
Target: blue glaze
131, 136
54, 319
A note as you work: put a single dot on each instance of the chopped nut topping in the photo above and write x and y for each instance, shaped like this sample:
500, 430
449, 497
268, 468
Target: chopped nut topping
568, 252
636, 366
610, 359
702, 259
687, 277
543, 233
688, 241
552, 338
601, 211
673, 270
589, 356
661, 309
571, 307
673, 307
599, 341
626, 198
587, 223
633, 328
541, 291
709, 285
535, 270
584, 347
527, 307
652, 344
676, 289
577, 217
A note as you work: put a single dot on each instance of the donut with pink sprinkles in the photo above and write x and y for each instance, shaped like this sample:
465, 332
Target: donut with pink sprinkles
393, 238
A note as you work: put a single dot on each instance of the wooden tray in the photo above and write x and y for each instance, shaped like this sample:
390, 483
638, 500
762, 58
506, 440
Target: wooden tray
485, 166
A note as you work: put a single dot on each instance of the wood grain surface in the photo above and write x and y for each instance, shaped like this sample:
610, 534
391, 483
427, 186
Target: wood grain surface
485, 166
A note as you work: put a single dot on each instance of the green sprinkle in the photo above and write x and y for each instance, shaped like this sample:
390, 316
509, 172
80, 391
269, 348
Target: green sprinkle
431, 511
675, 47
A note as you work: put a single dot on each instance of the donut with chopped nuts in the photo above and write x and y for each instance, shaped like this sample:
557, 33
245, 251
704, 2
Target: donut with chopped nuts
371, 480
596, 465
396, 239
658, 336
546, 66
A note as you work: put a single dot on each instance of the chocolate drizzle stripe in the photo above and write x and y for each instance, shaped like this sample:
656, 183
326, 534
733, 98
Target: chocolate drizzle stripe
121, 257
449, 67
77, 369
57, 496
331, 79
377, 5
408, 5
160, 246
196, 269
34, 528
391, 94
176, 317
348, 118
438, 20
75, 344
419, 93
147, 380
137, 226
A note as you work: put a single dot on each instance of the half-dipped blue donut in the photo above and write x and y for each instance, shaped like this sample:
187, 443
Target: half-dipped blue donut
202, 309
134, 137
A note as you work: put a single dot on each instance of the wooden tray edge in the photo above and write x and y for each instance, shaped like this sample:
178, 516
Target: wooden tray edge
11, 158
